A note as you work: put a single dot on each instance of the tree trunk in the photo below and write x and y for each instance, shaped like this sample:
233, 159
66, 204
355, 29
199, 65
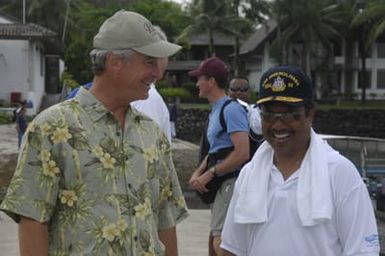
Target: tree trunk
211, 43
362, 77
236, 56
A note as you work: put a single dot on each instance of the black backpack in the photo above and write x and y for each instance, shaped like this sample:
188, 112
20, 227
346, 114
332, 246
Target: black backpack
255, 140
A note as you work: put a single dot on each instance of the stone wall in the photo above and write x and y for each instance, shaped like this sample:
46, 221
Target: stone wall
366, 123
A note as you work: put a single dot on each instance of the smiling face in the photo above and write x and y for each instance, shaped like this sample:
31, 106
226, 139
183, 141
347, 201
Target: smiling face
287, 128
134, 76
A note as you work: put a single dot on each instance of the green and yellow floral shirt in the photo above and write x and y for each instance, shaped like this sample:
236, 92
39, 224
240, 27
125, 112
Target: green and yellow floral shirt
102, 190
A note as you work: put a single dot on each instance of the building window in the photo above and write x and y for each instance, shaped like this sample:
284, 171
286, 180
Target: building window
381, 79
381, 50
368, 80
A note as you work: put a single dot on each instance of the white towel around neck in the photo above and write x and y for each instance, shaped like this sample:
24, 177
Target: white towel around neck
314, 198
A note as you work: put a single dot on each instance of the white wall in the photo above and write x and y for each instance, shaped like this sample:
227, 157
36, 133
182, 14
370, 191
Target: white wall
20, 70
13, 68
37, 73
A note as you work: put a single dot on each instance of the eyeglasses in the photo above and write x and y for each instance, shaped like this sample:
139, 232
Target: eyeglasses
240, 89
286, 117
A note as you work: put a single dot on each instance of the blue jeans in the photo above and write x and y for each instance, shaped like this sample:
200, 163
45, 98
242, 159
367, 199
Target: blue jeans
19, 137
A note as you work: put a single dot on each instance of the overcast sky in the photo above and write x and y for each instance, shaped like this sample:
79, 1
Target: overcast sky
181, 1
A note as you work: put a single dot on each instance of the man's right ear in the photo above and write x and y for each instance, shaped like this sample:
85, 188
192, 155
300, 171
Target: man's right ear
113, 61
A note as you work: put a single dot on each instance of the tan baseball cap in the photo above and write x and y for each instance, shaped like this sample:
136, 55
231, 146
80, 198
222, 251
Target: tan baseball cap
130, 30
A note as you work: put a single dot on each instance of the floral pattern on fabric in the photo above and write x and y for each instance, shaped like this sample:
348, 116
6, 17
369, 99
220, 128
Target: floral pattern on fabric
102, 190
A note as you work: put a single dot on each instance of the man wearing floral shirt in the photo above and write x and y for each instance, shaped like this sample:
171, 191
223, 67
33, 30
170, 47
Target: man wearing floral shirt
94, 176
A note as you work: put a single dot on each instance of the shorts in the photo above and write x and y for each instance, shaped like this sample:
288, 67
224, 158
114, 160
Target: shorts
220, 205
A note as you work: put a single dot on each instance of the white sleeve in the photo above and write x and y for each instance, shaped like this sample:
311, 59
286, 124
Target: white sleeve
155, 108
234, 238
355, 220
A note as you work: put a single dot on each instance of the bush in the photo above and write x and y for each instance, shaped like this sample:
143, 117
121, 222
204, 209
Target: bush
160, 84
5, 119
191, 88
68, 80
174, 92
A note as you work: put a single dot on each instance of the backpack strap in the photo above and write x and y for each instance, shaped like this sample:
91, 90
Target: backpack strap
222, 120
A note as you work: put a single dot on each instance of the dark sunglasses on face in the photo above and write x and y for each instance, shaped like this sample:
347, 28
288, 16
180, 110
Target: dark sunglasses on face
286, 117
240, 89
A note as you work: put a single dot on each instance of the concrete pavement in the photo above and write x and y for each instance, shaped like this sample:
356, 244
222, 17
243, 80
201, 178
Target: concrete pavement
192, 234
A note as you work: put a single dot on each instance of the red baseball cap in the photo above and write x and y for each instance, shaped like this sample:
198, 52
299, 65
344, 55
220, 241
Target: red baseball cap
213, 66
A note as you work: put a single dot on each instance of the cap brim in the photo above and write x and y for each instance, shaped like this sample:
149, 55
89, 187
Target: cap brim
195, 73
159, 49
287, 100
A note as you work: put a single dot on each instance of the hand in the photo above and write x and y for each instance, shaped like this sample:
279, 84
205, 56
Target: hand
199, 183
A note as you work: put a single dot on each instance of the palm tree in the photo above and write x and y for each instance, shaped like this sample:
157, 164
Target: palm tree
205, 16
211, 16
309, 23
356, 32
240, 27
373, 12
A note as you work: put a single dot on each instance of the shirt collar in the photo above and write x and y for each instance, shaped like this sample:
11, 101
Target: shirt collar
94, 108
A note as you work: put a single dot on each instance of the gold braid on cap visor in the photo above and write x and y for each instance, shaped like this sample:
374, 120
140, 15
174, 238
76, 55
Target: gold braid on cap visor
279, 98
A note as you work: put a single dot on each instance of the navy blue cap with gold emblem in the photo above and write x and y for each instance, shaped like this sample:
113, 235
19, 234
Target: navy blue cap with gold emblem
287, 84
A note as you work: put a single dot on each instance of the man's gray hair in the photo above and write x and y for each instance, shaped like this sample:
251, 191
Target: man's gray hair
98, 58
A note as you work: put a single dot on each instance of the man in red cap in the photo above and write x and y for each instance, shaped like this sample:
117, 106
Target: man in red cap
228, 150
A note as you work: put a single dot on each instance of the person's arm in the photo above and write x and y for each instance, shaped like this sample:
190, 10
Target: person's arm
169, 239
33, 237
238, 156
198, 171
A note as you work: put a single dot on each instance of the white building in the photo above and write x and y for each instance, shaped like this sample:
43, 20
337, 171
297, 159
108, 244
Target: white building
30, 66
339, 76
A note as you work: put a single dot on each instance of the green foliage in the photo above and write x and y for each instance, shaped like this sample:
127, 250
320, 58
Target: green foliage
174, 92
162, 84
166, 14
5, 118
68, 80
191, 88
88, 20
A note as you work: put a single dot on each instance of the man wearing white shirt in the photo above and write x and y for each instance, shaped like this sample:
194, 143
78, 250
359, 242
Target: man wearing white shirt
297, 196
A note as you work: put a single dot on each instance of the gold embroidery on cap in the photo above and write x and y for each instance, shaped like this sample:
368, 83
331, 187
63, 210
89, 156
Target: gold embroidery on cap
278, 84
279, 98
276, 81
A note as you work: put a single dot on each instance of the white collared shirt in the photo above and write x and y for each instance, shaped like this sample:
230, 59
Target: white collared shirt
352, 230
